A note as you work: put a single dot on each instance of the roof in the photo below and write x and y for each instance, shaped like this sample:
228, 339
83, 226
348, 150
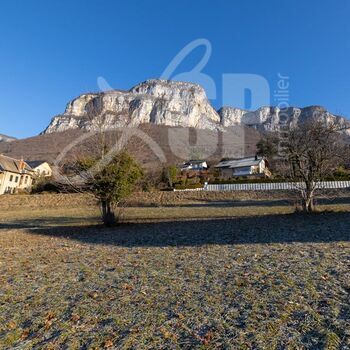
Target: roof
195, 161
238, 163
12, 165
35, 163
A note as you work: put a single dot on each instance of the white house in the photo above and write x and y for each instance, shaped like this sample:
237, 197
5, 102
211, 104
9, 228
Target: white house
194, 165
40, 167
15, 175
250, 166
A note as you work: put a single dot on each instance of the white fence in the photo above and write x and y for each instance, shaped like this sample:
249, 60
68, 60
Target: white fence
274, 186
278, 186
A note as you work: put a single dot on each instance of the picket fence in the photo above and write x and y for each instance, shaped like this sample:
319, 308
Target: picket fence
278, 186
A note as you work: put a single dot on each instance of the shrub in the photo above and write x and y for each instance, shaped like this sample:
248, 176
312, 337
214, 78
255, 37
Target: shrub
188, 186
45, 184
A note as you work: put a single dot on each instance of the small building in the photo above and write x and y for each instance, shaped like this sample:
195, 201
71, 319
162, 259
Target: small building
41, 168
15, 175
250, 166
194, 165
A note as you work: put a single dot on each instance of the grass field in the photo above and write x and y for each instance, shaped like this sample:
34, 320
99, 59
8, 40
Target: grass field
201, 275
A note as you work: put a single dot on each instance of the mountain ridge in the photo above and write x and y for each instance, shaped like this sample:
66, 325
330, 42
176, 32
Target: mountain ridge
173, 103
5, 138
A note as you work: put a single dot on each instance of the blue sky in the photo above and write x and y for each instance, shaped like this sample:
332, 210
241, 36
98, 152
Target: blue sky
52, 51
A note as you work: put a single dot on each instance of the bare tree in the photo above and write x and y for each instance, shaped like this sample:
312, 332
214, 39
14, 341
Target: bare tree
314, 151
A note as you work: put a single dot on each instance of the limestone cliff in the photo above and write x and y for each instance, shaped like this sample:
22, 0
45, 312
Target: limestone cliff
171, 103
273, 118
154, 101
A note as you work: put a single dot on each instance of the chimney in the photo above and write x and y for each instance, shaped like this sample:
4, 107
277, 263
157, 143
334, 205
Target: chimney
21, 164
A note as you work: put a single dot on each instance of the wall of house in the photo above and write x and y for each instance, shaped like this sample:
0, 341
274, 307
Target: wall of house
11, 182
43, 170
259, 169
262, 166
26, 182
255, 169
243, 171
8, 182
2, 175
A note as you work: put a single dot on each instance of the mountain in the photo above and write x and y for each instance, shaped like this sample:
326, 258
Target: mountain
273, 118
175, 116
4, 138
158, 102
171, 103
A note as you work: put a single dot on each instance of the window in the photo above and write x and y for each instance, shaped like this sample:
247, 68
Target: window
26, 180
11, 178
10, 190
16, 180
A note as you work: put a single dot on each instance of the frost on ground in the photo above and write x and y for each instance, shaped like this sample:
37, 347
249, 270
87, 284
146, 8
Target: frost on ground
261, 282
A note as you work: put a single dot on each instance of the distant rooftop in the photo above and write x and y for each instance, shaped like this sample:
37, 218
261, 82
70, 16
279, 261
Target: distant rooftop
196, 161
35, 163
12, 165
238, 163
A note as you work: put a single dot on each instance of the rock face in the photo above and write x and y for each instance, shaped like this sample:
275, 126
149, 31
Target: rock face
4, 138
154, 101
171, 103
273, 118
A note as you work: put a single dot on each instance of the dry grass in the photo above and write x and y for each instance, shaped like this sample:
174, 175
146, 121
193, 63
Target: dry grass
243, 277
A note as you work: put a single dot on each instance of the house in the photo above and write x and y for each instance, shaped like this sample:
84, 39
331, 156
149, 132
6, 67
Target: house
250, 166
194, 165
41, 168
15, 175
